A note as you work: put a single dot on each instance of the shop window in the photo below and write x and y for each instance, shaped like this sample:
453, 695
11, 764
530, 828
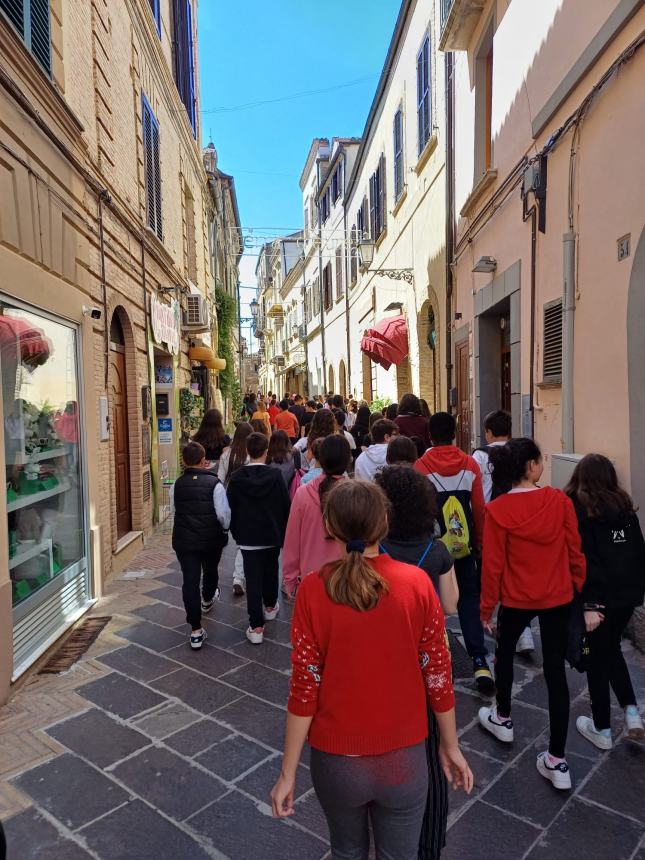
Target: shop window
31, 20
42, 433
152, 168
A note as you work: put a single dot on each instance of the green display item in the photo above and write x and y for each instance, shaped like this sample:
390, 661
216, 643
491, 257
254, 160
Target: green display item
48, 483
57, 555
13, 543
56, 568
26, 487
20, 590
41, 580
11, 494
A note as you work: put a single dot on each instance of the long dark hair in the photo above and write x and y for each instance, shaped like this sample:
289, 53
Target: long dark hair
510, 461
425, 409
594, 487
413, 502
211, 433
334, 456
391, 411
279, 447
409, 405
237, 457
322, 424
361, 425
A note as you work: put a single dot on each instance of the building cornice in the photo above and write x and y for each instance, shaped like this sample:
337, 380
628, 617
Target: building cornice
311, 158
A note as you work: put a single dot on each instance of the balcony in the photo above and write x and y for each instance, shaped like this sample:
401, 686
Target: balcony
459, 18
273, 304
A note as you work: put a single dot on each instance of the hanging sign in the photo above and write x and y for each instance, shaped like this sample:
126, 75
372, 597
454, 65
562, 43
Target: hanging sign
166, 323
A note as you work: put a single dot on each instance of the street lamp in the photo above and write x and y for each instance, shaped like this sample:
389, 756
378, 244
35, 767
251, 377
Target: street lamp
255, 306
366, 252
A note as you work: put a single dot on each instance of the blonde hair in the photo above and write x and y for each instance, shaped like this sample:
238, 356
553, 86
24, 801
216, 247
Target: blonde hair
355, 512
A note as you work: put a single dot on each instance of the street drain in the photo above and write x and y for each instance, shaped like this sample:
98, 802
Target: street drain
75, 645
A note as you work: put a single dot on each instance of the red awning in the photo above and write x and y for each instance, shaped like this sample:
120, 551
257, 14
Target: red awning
387, 343
20, 338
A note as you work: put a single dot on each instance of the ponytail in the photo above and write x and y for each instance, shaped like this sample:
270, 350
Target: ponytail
510, 462
352, 581
334, 456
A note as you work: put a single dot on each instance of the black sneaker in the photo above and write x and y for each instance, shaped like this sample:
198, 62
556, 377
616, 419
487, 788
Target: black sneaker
197, 639
207, 605
483, 677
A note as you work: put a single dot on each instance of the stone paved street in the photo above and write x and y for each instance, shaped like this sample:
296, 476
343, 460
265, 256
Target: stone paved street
148, 750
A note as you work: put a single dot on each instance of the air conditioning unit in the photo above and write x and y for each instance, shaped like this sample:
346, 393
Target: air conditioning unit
197, 314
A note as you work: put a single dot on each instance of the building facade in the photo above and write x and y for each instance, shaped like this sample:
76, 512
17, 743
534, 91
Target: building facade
105, 279
549, 250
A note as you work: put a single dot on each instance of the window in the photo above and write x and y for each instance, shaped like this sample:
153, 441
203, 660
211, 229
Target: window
152, 169
306, 218
377, 200
484, 103
191, 247
424, 105
353, 254
31, 20
325, 206
184, 60
552, 356
327, 296
398, 154
337, 183
308, 305
156, 14
339, 274
316, 290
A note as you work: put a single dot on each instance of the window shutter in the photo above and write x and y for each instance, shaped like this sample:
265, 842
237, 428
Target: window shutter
184, 65
373, 205
552, 355
382, 196
31, 20
353, 260
15, 12
156, 14
152, 170
339, 273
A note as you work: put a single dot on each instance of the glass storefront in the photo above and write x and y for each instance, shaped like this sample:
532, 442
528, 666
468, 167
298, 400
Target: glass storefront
43, 457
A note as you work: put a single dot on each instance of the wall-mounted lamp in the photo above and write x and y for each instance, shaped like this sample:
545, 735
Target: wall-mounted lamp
394, 306
485, 265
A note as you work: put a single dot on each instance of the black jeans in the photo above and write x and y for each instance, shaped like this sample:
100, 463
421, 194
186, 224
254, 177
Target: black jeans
607, 666
192, 565
390, 789
469, 582
554, 624
261, 572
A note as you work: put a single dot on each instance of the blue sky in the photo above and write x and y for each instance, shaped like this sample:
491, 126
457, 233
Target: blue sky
267, 49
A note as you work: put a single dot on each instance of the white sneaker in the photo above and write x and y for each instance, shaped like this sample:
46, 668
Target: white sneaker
558, 774
525, 643
599, 738
255, 636
197, 639
271, 614
502, 729
633, 723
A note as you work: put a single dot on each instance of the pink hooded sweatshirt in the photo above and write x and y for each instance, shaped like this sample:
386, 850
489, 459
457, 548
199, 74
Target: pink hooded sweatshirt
307, 547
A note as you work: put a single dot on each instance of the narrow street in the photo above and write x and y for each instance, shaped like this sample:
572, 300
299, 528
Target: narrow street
172, 753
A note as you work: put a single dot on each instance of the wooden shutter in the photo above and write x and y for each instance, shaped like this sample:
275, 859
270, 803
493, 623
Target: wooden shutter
15, 12
423, 93
156, 14
382, 196
353, 252
184, 63
31, 20
339, 273
398, 153
552, 354
373, 206
152, 169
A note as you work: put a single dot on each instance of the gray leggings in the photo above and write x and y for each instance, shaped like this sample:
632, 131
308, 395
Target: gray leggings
390, 788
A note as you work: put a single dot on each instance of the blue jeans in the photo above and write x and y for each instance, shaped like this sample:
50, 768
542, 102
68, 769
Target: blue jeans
469, 582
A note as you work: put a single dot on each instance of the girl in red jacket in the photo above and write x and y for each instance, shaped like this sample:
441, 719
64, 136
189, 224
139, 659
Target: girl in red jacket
532, 565
359, 696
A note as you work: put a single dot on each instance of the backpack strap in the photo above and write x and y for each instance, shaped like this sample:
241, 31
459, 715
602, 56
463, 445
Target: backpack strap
425, 552
382, 549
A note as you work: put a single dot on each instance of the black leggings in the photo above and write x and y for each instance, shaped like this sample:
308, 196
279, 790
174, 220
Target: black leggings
607, 666
554, 628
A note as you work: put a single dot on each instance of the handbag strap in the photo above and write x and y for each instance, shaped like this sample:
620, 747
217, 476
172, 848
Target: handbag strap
425, 552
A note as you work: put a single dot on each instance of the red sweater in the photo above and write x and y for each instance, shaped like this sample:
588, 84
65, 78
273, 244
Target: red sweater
365, 676
532, 551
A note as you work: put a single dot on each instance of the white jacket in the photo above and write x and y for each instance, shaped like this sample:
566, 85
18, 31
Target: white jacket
371, 461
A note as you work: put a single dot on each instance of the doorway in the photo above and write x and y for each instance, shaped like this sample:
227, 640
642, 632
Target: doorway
342, 379
505, 362
462, 368
332, 385
120, 428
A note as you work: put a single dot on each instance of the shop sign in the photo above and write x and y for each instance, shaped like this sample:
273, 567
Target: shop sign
166, 323
164, 428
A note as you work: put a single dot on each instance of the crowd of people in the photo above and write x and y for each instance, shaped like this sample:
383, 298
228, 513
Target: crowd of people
378, 526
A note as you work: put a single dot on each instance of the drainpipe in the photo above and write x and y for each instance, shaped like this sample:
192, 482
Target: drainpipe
320, 285
450, 231
568, 320
348, 264
532, 214
304, 318
104, 196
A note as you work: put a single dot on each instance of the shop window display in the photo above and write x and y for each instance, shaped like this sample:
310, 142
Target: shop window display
42, 428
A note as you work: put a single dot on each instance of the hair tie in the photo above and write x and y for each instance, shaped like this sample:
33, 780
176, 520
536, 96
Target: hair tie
355, 546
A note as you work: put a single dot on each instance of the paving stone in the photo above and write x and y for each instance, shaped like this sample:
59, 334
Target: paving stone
232, 757
136, 832
278, 631
173, 577
168, 719
261, 681
203, 694
240, 831
534, 692
257, 719
137, 663
268, 654
97, 737
528, 723
484, 772
28, 834
168, 782
235, 615
152, 636
308, 813
120, 696
222, 635
466, 708
168, 594
523, 791
483, 831
585, 830
261, 780
619, 782
162, 614
197, 738
71, 790
575, 742
209, 659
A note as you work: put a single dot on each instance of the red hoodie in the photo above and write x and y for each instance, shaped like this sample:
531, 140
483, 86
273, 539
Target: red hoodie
532, 551
448, 461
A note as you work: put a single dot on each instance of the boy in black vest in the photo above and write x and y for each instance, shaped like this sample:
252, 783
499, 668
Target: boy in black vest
259, 502
199, 534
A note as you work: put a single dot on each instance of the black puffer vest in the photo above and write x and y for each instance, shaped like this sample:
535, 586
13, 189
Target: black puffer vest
196, 528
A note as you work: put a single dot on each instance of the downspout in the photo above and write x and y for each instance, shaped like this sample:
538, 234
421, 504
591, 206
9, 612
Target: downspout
304, 317
348, 247
532, 214
450, 230
568, 320
320, 285
104, 196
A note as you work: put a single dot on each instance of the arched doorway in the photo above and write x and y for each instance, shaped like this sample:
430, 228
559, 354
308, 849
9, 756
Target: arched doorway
636, 375
119, 386
342, 379
427, 329
332, 385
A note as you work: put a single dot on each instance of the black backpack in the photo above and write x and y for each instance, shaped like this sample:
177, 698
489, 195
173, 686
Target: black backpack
500, 488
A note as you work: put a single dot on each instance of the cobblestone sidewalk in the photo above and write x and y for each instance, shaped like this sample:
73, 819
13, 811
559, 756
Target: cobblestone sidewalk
148, 750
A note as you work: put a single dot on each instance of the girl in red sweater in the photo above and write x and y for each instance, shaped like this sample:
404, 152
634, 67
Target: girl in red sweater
532, 565
368, 649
